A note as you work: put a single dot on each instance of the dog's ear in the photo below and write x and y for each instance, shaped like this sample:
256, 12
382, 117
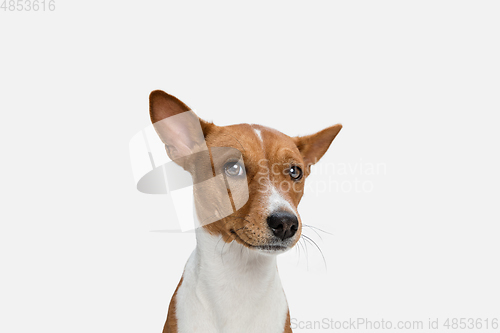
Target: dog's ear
182, 132
313, 147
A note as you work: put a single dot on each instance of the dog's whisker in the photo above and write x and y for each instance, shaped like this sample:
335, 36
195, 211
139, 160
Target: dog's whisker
316, 228
215, 248
299, 245
317, 234
320, 251
297, 253
222, 252
230, 244
307, 255
223, 246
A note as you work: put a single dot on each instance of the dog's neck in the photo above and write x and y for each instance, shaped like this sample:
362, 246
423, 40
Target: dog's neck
231, 288
233, 264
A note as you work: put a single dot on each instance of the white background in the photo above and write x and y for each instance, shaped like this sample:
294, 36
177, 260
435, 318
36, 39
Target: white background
415, 84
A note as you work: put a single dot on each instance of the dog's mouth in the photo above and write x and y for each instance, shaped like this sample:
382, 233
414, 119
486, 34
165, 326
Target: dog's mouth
266, 248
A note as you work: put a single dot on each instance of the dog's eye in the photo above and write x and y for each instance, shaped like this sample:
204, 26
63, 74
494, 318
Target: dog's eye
233, 169
295, 172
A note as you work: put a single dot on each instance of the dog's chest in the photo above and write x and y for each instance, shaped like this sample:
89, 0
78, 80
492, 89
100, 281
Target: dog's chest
216, 298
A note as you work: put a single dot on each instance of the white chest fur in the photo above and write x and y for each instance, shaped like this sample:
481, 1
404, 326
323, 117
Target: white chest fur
228, 288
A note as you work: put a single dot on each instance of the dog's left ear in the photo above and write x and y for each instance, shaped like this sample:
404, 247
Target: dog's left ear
313, 147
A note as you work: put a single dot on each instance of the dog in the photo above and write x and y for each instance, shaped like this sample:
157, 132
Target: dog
231, 283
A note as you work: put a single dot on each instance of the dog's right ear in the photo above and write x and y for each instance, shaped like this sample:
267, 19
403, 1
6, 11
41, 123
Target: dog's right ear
182, 132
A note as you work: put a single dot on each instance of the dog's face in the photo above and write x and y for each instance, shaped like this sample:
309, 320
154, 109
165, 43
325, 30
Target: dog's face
249, 179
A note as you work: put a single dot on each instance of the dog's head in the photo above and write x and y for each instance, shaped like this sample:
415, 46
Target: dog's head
249, 179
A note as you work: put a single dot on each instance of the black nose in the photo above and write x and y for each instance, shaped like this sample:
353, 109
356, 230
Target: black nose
283, 224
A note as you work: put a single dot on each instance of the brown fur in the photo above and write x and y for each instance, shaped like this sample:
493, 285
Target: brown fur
288, 327
171, 322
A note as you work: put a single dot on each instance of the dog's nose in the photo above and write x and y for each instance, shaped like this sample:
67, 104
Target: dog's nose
283, 224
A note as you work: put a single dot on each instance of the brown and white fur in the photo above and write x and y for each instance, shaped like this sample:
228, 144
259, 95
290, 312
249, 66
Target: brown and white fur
230, 282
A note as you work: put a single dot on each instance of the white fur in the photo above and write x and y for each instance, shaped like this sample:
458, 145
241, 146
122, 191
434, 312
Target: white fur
276, 202
259, 134
228, 288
